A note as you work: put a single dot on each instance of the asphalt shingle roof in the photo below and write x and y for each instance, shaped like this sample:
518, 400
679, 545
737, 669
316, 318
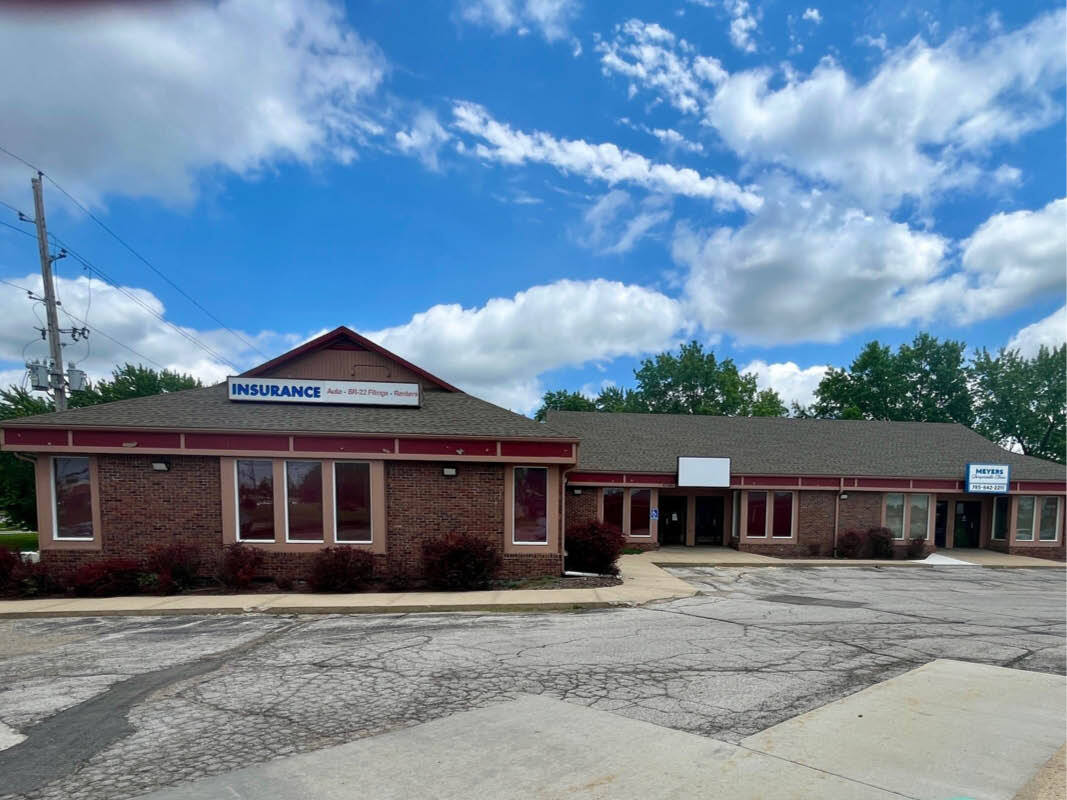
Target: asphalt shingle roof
785, 446
441, 414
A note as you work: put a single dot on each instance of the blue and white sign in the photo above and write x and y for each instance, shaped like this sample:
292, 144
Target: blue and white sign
988, 478
653, 513
316, 392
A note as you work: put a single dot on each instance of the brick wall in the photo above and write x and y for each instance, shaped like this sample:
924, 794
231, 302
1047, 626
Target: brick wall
581, 508
861, 511
815, 530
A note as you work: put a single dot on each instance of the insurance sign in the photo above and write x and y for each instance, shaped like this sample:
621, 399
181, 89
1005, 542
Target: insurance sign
988, 478
316, 392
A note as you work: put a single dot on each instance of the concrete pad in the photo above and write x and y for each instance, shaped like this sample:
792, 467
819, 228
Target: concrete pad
9, 737
946, 729
530, 747
939, 560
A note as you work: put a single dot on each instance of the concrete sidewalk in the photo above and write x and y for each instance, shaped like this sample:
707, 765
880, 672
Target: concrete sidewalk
675, 556
947, 729
643, 582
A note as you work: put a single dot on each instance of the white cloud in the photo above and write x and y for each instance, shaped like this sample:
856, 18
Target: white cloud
807, 266
425, 139
947, 105
123, 320
551, 18
812, 15
496, 351
878, 42
743, 23
614, 227
1050, 332
793, 383
605, 162
236, 85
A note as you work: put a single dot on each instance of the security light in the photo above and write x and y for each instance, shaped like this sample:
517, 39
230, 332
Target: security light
161, 465
449, 472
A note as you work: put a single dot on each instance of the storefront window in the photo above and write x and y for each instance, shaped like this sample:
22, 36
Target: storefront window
640, 507
894, 514
352, 501
757, 514
919, 516
613, 507
782, 519
303, 486
531, 505
1001, 509
1024, 518
255, 501
1050, 517
735, 528
73, 494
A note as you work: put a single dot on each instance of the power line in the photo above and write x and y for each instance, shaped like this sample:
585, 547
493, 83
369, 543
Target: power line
17, 229
135, 253
96, 329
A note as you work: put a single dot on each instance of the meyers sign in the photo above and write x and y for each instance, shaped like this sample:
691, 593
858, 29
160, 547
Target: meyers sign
988, 478
302, 390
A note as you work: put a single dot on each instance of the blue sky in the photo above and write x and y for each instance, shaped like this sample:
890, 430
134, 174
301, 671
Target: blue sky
530, 194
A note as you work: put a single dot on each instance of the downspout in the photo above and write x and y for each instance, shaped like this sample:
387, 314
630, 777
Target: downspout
837, 513
27, 459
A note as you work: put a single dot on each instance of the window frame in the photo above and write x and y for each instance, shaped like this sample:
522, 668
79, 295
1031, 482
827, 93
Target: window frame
511, 509
993, 519
628, 514
622, 506
1033, 518
285, 500
905, 517
237, 500
1040, 512
742, 506
336, 512
55, 506
772, 514
930, 504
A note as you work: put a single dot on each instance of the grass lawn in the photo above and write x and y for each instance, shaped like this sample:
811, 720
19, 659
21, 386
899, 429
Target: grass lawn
20, 541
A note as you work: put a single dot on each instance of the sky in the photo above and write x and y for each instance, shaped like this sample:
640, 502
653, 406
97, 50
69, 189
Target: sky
523, 195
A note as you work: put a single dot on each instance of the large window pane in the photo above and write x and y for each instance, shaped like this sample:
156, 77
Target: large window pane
1001, 510
735, 529
1050, 507
640, 506
757, 514
74, 506
894, 514
255, 501
352, 501
782, 521
919, 516
1024, 519
303, 486
531, 505
613, 507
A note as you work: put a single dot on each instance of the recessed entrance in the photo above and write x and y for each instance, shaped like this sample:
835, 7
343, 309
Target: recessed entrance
672, 519
967, 524
940, 523
709, 520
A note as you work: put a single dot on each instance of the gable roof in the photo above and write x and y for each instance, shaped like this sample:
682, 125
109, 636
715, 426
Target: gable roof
344, 335
788, 446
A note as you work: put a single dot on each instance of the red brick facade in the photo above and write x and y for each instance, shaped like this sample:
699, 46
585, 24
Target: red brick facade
815, 530
141, 509
580, 508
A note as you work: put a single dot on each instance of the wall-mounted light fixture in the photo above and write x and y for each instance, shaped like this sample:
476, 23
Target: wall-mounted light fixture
161, 464
844, 495
449, 472
576, 491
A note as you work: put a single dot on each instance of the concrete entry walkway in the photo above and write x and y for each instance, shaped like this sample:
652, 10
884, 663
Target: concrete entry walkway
948, 729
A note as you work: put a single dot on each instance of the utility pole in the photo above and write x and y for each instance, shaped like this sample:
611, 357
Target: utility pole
58, 380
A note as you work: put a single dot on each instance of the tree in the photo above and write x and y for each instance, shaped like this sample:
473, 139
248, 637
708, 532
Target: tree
925, 381
1022, 402
562, 400
17, 483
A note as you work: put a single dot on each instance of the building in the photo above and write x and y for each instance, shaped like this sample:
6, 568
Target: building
340, 442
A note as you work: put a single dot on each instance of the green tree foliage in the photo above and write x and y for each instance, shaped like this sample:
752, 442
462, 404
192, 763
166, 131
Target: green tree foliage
693, 381
17, 486
926, 381
1022, 402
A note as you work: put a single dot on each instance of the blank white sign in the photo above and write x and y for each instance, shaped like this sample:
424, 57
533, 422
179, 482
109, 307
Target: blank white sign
703, 471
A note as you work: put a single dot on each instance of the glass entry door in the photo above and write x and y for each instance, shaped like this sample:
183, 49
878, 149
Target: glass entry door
967, 525
709, 520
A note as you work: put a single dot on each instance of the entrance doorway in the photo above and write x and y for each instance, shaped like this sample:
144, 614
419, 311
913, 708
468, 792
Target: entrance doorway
671, 519
940, 523
709, 522
968, 524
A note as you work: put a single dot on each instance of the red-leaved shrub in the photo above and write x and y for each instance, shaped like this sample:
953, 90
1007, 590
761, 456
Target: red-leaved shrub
175, 566
880, 543
341, 569
850, 545
916, 548
593, 547
106, 578
460, 561
238, 565
34, 579
9, 564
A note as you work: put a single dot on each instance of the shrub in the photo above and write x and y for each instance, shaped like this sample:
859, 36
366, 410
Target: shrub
9, 565
341, 569
175, 566
594, 547
916, 548
107, 578
880, 543
33, 579
460, 561
850, 545
238, 565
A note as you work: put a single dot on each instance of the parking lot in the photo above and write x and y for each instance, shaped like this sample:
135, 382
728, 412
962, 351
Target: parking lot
114, 707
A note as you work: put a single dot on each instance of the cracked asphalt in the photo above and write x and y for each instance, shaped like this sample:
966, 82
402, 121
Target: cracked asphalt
115, 707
